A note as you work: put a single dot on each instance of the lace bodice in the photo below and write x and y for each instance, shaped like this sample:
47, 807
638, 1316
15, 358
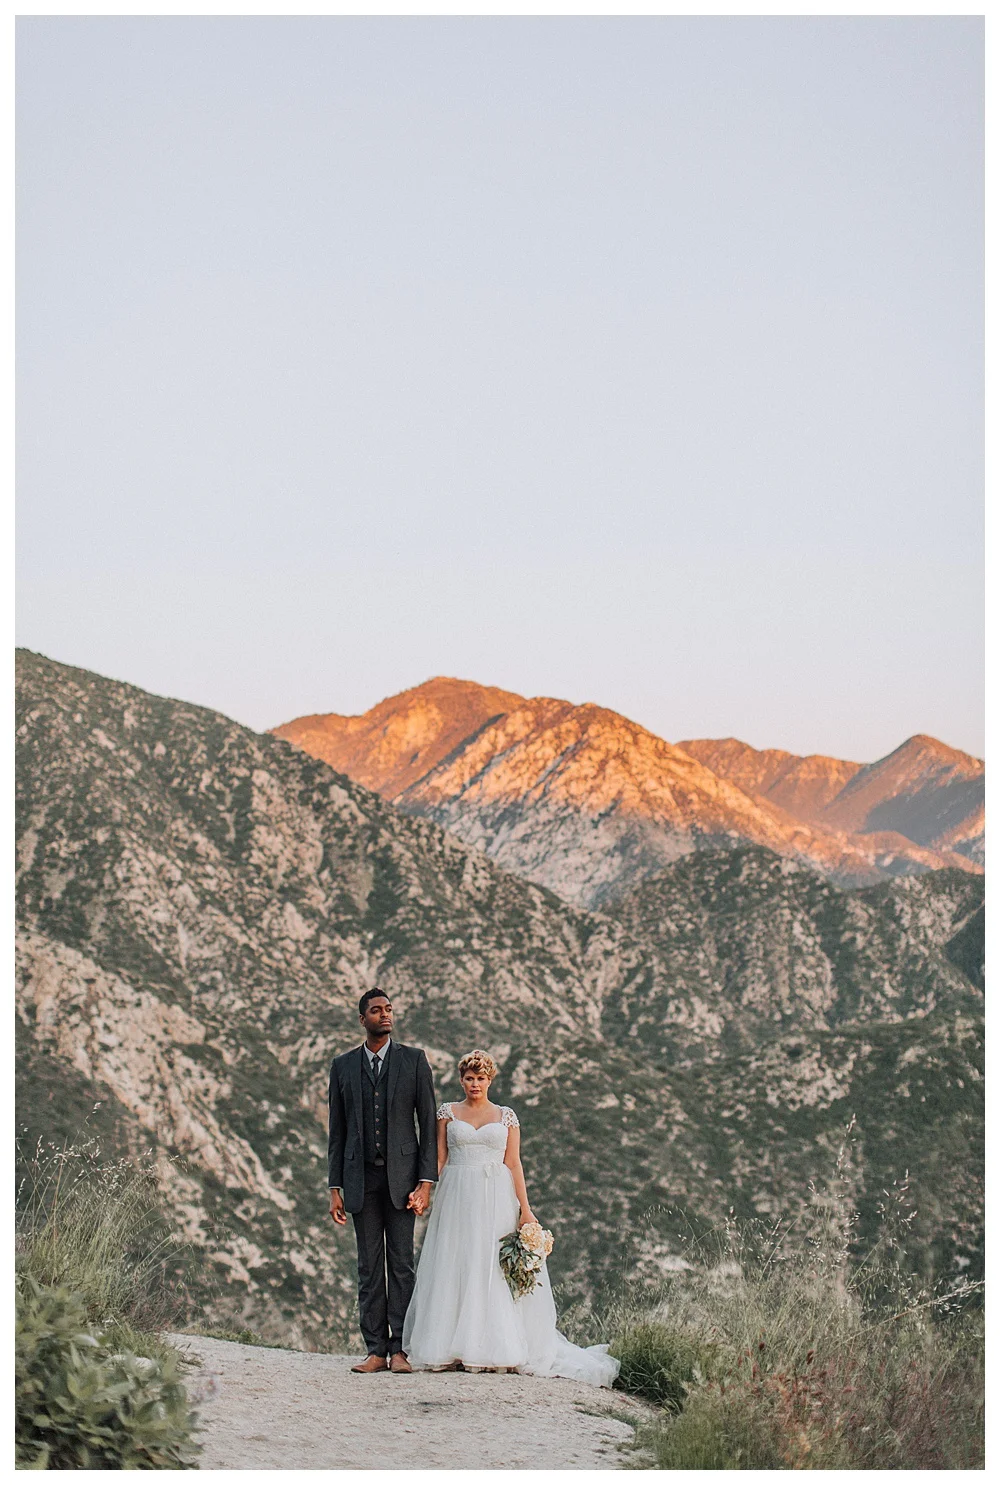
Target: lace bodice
486, 1145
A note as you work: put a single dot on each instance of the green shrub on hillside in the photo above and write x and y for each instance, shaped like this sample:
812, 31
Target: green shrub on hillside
79, 1406
910, 1401
659, 1363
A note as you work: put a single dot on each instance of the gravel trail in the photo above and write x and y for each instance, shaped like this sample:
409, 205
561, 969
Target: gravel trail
268, 1409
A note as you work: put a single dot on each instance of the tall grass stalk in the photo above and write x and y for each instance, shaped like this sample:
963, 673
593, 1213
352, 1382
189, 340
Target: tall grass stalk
95, 1227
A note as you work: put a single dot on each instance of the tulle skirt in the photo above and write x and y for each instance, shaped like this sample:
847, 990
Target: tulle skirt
462, 1309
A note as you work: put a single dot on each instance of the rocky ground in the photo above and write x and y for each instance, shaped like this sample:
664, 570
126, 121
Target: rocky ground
263, 1408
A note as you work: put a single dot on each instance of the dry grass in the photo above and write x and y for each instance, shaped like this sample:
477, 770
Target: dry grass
94, 1227
782, 1349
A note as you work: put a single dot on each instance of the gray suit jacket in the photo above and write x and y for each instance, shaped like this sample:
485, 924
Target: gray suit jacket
411, 1118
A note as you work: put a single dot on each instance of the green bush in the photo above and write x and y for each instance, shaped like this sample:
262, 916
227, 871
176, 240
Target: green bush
79, 1406
910, 1400
97, 1386
658, 1363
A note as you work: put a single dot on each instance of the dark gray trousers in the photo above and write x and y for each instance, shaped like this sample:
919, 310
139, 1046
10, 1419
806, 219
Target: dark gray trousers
385, 1250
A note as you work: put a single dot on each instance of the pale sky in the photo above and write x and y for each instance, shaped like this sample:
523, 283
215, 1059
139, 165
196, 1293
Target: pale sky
627, 361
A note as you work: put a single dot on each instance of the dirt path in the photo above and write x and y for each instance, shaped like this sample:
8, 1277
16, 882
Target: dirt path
282, 1410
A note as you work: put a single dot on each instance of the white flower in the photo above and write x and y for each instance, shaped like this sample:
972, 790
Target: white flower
533, 1236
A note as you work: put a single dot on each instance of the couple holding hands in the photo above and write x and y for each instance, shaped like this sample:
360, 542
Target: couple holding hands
388, 1145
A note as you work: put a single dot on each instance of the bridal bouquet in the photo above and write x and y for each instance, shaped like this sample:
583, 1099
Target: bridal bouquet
522, 1254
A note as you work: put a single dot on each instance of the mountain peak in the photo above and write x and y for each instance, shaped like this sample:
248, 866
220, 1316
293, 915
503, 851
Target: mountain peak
922, 745
923, 789
454, 686
398, 740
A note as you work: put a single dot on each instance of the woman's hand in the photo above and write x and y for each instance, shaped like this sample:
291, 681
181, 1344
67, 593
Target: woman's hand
527, 1215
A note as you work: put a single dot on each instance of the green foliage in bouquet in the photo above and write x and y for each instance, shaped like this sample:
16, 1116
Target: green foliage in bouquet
79, 1406
522, 1254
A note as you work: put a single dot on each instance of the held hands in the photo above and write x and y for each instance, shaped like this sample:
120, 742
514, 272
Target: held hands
418, 1201
419, 1198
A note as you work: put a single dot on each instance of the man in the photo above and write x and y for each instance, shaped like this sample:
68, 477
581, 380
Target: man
380, 1170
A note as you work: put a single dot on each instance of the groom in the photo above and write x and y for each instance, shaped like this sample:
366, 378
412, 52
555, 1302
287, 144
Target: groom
380, 1170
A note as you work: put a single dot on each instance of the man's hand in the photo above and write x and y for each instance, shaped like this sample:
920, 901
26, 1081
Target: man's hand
419, 1198
337, 1208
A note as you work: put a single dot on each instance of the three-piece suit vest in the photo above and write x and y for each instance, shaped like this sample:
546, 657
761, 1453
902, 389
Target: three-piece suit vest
373, 1097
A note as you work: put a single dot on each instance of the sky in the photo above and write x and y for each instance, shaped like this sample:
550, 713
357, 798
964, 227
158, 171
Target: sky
627, 361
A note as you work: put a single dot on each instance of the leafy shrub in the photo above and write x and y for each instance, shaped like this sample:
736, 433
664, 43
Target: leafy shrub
97, 1388
79, 1406
658, 1363
906, 1401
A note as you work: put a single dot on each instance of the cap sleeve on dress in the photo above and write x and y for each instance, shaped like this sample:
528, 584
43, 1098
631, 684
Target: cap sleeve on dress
509, 1119
444, 1111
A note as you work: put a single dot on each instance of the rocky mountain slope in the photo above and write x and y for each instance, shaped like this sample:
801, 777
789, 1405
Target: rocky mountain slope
802, 786
587, 803
746, 946
932, 794
199, 907
405, 736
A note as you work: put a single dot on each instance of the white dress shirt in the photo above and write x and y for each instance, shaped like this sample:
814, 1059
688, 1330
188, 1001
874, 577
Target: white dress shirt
381, 1054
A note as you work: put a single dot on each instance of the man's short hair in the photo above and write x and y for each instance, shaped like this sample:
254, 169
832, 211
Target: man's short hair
373, 994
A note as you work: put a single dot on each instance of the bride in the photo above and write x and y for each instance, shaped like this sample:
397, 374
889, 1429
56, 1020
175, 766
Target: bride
462, 1310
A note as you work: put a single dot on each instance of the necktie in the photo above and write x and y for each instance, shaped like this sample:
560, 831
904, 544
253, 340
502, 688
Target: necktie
375, 1067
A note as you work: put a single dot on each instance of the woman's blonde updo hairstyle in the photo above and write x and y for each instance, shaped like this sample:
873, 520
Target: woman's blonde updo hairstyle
480, 1062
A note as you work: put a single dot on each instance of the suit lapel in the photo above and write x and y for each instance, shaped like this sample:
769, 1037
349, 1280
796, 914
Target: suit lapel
394, 1060
356, 1088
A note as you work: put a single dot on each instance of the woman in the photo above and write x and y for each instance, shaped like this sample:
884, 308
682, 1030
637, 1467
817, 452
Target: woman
462, 1311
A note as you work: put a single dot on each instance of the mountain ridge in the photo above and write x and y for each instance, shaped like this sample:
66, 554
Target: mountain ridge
415, 738
587, 802
801, 784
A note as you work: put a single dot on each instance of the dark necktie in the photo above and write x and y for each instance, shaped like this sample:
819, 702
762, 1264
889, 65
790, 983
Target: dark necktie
376, 1062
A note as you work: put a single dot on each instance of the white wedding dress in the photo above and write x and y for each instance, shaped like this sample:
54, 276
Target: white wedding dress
462, 1309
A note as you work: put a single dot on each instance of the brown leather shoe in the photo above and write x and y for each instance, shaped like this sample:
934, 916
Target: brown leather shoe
370, 1364
399, 1363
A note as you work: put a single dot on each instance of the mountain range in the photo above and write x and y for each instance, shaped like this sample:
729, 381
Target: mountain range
199, 907
588, 803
